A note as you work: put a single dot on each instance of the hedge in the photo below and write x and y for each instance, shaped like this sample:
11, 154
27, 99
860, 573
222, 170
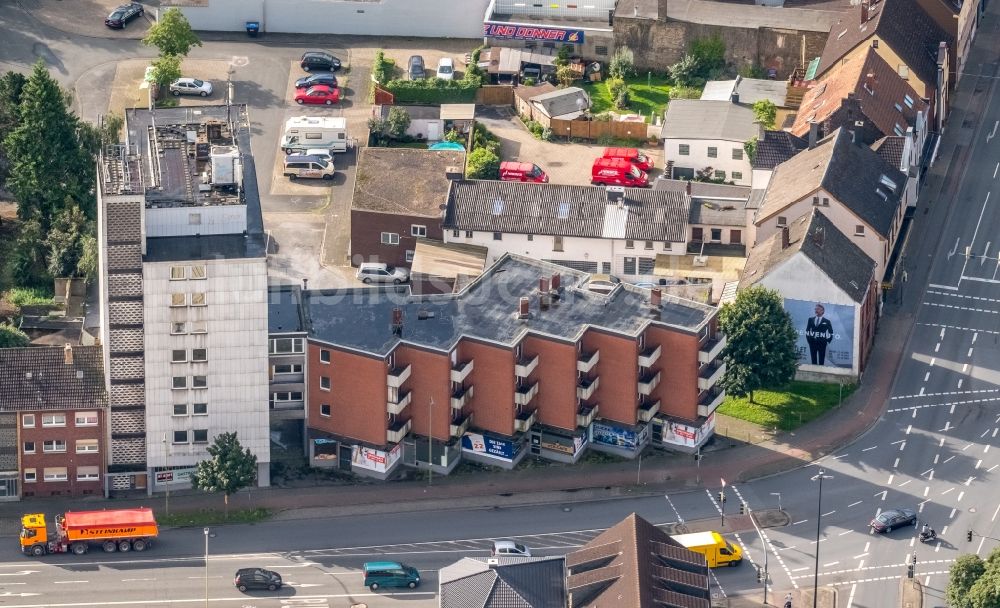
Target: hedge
433, 91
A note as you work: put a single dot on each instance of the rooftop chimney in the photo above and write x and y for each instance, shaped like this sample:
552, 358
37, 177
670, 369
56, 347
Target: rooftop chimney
523, 308
864, 11
556, 279
543, 285
761, 132
819, 236
68, 354
655, 297
687, 188
813, 134
305, 284
784, 237
397, 321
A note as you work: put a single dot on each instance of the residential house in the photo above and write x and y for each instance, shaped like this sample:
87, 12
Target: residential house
772, 149
864, 94
751, 90
55, 400
523, 96
589, 228
858, 191
701, 134
562, 104
183, 292
960, 18
286, 358
811, 263
445, 267
524, 359
634, 563
398, 194
909, 41
903, 153
491, 582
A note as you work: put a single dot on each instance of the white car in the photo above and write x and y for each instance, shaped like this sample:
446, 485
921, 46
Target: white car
508, 548
191, 86
375, 272
324, 153
446, 69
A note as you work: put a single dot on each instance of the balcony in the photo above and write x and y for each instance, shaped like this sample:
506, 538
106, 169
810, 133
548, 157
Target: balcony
648, 410
402, 400
649, 356
461, 370
460, 425
585, 387
586, 414
461, 397
586, 361
525, 365
648, 381
709, 375
709, 400
398, 375
524, 394
397, 430
524, 421
710, 350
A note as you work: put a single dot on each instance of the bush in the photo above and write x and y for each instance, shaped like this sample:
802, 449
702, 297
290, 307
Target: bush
12, 337
382, 68
686, 71
398, 122
533, 126
622, 63
454, 137
434, 90
562, 57
603, 117
710, 53
483, 163
685, 93
529, 82
483, 138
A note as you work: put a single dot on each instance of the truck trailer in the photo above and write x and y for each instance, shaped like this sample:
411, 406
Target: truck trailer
116, 530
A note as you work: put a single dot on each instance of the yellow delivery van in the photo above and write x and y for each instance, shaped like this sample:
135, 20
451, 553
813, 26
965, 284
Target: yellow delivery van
717, 550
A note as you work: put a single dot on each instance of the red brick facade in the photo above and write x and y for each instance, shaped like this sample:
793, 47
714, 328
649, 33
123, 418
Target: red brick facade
356, 398
556, 400
62, 452
618, 369
429, 380
492, 403
366, 236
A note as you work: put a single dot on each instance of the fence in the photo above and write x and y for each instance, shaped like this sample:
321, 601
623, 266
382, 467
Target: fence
594, 129
495, 95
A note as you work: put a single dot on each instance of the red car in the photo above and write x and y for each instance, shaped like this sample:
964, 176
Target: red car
318, 94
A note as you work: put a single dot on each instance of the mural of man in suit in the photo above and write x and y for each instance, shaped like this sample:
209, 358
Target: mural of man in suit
819, 333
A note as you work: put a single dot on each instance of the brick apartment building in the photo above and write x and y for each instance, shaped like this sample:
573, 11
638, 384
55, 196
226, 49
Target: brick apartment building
524, 359
58, 397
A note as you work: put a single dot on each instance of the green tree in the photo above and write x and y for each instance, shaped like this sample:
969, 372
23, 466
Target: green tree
172, 34
710, 53
111, 128
64, 243
166, 69
230, 468
27, 261
760, 350
963, 575
397, 122
12, 337
562, 56
50, 152
11, 85
483, 163
765, 112
87, 266
377, 129
382, 67
565, 75
622, 63
685, 72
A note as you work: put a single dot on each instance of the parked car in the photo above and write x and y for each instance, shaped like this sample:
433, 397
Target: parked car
309, 167
390, 574
325, 154
123, 14
617, 172
319, 61
257, 578
191, 86
415, 68
632, 155
602, 283
890, 519
508, 548
313, 79
513, 171
319, 94
375, 272
446, 69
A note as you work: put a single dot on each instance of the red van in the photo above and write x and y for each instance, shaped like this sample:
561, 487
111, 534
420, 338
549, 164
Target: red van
617, 172
632, 155
511, 171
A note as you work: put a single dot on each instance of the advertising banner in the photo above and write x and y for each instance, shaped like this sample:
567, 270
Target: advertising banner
501, 449
324, 449
506, 31
678, 433
176, 476
826, 333
375, 460
613, 435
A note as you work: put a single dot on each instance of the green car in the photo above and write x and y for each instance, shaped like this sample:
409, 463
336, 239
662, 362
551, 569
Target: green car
390, 574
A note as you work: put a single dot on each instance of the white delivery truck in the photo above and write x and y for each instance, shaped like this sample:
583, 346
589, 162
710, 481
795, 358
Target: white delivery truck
305, 132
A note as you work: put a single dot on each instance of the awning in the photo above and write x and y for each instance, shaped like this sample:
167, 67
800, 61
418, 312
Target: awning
811, 69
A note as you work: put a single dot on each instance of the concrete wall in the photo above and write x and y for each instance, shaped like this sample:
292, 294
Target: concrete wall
427, 18
698, 158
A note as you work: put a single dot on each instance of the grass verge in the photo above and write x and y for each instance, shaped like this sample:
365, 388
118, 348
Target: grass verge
211, 517
649, 97
788, 407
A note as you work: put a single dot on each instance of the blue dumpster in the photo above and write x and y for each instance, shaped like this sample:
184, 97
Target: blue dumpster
252, 28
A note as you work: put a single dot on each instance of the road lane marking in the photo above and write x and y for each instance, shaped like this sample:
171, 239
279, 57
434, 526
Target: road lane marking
801, 569
845, 532
831, 564
995, 513
895, 465
979, 463
931, 470
960, 495
904, 483
854, 504
990, 470
909, 428
875, 446
860, 555
967, 447
969, 480
982, 540
671, 503
850, 597
902, 446
948, 459
801, 521
946, 491
952, 516
936, 457
830, 513
927, 489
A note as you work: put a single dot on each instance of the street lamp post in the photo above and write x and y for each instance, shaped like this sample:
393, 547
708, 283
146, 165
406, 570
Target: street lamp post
206, 567
778, 494
819, 514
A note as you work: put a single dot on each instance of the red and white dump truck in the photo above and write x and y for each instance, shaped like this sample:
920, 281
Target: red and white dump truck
115, 530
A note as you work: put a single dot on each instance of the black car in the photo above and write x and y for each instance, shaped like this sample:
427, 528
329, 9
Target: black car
325, 79
123, 14
890, 519
257, 578
319, 61
415, 68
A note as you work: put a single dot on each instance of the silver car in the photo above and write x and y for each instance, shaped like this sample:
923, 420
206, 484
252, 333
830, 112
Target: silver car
191, 86
372, 272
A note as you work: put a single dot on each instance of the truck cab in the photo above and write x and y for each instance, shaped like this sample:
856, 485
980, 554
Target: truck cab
34, 534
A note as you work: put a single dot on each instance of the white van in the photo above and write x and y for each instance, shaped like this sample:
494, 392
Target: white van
313, 167
305, 132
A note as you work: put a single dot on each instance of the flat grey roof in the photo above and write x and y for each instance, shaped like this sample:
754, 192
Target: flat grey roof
750, 16
284, 310
708, 119
360, 319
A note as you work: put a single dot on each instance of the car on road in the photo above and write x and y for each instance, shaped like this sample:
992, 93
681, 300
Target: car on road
446, 69
415, 68
390, 574
191, 86
319, 61
313, 79
123, 14
376, 272
890, 519
257, 578
508, 548
319, 94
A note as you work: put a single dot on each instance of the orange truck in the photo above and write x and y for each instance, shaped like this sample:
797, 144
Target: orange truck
116, 530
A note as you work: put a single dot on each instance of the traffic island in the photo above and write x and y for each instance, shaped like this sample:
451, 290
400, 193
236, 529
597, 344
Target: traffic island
911, 593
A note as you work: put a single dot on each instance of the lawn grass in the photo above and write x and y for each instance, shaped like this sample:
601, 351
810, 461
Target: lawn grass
647, 99
789, 407
206, 517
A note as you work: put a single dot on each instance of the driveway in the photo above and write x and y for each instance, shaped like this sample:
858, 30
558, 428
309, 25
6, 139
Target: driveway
565, 162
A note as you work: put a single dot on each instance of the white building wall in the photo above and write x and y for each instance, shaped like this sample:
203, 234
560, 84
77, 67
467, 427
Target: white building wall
760, 178
189, 221
426, 18
235, 318
698, 158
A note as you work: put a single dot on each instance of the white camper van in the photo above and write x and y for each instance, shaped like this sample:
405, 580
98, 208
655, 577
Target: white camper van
305, 132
